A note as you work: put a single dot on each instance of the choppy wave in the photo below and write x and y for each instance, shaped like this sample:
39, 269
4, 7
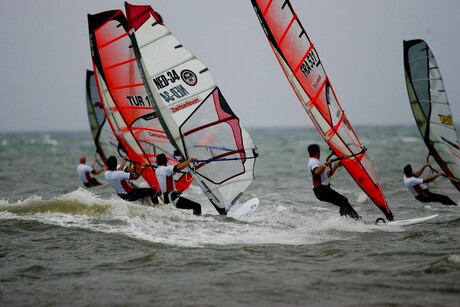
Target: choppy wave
273, 223
82, 245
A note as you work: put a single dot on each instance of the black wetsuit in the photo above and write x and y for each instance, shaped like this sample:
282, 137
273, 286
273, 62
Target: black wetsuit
140, 193
92, 183
428, 197
326, 193
182, 202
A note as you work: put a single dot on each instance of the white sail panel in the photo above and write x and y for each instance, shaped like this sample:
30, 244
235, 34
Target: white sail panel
195, 115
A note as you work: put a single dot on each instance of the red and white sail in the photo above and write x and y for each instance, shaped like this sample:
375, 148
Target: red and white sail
128, 108
303, 68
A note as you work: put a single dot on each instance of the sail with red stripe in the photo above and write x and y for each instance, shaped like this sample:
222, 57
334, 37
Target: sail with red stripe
192, 110
303, 68
131, 115
430, 106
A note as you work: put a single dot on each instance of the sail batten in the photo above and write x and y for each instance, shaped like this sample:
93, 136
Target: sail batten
110, 42
154, 40
115, 65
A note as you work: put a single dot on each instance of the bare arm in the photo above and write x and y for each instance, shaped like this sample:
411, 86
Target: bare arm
184, 164
98, 171
320, 169
94, 161
122, 164
431, 178
136, 174
333, 169
420, 171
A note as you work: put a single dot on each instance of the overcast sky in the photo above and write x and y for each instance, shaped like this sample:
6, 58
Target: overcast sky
45, 53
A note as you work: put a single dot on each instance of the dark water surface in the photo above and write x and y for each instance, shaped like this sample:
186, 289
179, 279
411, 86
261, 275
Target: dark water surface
62, 245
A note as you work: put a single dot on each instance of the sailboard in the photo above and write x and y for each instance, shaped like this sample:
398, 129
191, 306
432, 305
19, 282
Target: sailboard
304, 70
104, 140
127, 107
246, 210
407, 222
430, 106
194, 113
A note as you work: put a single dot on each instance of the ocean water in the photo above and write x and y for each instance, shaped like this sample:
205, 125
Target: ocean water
64, 245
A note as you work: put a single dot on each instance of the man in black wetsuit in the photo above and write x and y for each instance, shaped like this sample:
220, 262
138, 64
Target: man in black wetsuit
321, 186
419, 189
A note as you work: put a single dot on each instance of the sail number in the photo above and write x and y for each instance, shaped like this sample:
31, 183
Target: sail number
310, 62
175, 92
139, 101
165, 79
168, 96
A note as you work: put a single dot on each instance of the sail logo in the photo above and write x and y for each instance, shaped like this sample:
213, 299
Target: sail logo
317, 82
309, 63
158, 135
446, 120
185, 105
210, 193
189, 77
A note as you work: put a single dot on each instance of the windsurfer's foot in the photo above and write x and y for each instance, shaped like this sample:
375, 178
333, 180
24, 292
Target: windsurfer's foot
350, 212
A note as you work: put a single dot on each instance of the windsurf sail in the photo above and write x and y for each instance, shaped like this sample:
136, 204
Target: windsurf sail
105, 141
303, 68
193, 112
430, 106
128, 109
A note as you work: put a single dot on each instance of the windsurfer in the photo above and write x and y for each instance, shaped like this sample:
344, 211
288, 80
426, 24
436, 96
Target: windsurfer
121, 181
321, 186
419, 189
164, 175
84, 171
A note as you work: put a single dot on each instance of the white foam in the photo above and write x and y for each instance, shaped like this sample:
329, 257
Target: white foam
273, 223
454, 259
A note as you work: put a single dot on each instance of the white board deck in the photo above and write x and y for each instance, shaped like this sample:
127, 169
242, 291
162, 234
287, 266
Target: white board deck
408, 222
